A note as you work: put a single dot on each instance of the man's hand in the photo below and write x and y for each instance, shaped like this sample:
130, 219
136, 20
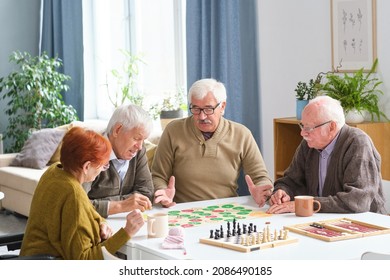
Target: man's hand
105, 231
285, 207
279, 197
259, 193
165, 196
134, 221
134, 201
280, 203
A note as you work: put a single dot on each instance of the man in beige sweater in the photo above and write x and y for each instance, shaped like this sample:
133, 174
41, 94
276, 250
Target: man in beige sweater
200, 157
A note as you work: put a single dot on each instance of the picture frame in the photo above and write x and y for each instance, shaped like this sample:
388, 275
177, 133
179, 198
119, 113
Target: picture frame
353, 29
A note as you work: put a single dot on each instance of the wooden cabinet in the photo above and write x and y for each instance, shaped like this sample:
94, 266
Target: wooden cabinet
287, 138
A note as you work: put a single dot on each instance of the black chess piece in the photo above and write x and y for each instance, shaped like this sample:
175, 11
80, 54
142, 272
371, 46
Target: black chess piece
216, 235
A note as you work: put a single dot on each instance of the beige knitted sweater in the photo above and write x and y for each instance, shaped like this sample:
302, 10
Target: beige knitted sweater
207, 169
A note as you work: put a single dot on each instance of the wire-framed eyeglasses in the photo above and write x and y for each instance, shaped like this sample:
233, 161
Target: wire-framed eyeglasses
206, 111
310, 129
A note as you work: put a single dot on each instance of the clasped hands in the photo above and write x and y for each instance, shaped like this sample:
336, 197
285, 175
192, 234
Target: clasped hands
280, 202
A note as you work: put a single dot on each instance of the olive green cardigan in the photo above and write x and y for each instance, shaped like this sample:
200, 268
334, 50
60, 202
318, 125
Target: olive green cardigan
63, 223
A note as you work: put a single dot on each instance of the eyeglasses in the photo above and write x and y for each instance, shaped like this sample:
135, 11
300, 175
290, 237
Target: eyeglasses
310, 129
206, 111
105, 167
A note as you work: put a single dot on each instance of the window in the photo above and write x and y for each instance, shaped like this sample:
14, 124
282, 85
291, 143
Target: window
152, 30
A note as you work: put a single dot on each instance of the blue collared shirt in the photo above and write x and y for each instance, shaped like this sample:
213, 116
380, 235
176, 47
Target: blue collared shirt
121, 165
325, 156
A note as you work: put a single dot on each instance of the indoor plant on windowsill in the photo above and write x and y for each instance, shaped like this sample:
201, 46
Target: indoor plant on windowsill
358, 93
126, 78
172, 107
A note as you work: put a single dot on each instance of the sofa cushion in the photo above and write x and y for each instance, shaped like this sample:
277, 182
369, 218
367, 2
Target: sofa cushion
95, 125
23, 179
39, 148
150, 151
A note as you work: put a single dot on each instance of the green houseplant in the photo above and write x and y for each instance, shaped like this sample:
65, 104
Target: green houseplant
357, 91
303, 93
172, 106
34, 94
126, 81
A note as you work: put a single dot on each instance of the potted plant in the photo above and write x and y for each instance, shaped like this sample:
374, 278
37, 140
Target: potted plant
303, 93
357, 92
126, 81
172, 107
34, 94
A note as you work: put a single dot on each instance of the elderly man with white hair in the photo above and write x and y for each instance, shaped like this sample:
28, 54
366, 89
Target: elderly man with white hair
336, 163
200, 157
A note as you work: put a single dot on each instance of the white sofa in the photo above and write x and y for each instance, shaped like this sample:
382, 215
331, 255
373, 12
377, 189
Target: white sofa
18, 183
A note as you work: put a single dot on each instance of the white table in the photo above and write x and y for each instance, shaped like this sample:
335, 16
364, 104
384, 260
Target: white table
307, 248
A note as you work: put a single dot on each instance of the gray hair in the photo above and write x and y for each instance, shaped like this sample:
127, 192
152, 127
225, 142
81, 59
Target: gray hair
130, 116
201, 88
329, 109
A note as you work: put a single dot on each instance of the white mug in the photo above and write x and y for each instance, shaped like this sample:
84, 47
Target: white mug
157, 225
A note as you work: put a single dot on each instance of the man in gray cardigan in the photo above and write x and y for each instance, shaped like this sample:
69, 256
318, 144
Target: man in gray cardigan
126, 184
337, 164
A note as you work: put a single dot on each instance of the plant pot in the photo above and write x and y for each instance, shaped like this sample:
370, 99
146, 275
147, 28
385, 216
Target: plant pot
168, 116
299, 107
354, 116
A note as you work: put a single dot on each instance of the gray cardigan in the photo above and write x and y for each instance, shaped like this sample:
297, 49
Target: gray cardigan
353, 182
106, 186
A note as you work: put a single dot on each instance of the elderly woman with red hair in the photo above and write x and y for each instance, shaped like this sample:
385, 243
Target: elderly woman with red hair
63, 223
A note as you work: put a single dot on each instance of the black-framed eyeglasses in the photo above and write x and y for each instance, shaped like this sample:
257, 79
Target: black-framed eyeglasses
206, 111
310, 129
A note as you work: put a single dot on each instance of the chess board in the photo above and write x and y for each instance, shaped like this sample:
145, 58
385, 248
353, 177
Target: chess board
213, 214
246, 238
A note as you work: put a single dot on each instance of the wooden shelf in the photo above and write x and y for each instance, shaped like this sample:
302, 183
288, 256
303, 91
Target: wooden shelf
287, 136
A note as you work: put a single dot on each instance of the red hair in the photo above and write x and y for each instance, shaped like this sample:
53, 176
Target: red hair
80, 145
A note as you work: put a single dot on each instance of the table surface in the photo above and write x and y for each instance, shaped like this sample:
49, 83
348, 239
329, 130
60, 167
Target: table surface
307, 248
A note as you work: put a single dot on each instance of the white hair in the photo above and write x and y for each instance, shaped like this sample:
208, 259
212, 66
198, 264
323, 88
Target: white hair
202, 87
329, 108
130, 116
